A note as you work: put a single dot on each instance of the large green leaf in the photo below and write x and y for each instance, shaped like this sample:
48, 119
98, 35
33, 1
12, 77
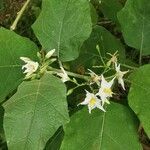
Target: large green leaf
63, 25
114, 130
135, 22
139, 96
35, 113
108, 43
12, 46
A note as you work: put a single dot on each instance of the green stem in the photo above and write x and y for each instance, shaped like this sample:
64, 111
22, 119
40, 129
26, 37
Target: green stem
87, 78
19, 15
127, 66
107, 69
80, 85
110, 77
61, 65
99, 52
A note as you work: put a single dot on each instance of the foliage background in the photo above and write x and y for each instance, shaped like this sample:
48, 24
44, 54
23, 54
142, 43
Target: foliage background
107, 19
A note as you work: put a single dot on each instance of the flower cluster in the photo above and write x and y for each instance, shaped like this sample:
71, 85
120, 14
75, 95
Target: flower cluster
105, 89
31, 66
93, 100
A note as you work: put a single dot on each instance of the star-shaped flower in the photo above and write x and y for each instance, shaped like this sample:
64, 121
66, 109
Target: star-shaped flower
64, 76
92, 101
119, 75
30, 66
105, 91
94, 77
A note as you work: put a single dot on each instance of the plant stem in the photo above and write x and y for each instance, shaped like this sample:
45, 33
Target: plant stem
98, 49
80, 85
130, 67
87, 78
19, 15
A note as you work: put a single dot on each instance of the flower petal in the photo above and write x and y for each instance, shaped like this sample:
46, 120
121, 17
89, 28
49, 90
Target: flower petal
25, 59
120, 81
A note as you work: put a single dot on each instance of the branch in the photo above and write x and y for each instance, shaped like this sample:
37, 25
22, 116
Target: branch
19, 15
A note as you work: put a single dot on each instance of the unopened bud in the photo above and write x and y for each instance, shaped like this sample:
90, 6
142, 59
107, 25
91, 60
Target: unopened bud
50, 53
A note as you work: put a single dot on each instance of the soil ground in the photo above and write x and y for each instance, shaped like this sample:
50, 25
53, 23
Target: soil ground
8, 11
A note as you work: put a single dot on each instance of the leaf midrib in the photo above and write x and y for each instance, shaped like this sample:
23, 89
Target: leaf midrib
102, 130
9, 66
32, 118
61, 27
142, 34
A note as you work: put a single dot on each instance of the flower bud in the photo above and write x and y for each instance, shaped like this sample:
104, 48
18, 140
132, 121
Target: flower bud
50, 53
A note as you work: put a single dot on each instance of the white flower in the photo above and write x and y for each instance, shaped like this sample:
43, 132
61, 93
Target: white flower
105, 91
95, 78
63, 75
119, 75
50, 53
30, 66
92, 101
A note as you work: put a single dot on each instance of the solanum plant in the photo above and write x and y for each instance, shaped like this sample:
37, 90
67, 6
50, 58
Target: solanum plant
78, 88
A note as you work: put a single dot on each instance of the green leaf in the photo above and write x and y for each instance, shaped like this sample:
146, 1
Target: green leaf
135, 22
110, 8
12, 47
63, 25
1, 5
139, 96
94, 15
113, 130
108, 43
35, 113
